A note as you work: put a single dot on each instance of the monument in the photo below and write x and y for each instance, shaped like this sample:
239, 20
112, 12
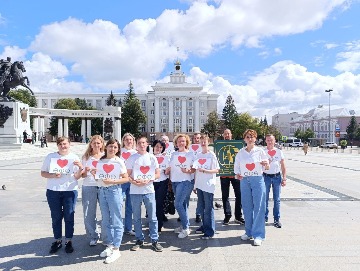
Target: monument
14, 117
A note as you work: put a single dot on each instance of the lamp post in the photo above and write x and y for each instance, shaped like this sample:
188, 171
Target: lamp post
329, 91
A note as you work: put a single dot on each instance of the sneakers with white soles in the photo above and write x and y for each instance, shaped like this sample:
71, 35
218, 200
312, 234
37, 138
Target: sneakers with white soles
245, 237
113, 257
107, 252
257, 242
178, 229
184, 233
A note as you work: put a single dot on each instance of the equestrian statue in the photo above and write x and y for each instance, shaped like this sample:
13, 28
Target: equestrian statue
11, 76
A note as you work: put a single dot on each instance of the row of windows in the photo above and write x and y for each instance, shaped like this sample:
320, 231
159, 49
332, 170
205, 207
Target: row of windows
177, 113
177, 121
177, 129
176, 104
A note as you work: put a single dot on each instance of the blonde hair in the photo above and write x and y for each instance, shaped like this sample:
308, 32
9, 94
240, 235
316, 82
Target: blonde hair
89, 149
187, 138
123, 140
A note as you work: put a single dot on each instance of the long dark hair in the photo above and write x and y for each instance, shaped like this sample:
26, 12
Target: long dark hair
156, 141
112, 141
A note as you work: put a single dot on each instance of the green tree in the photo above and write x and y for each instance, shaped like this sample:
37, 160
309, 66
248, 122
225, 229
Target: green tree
304, 136
212, 126
352, 128
229, 113
111, 101
23, 95
132, 117
242, 122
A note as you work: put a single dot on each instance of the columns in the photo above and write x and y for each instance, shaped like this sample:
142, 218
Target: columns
183, 115
35, 123
42, 126
88, 129
171, 115
117, 128
60, 127
157, 115
66, 127
83, 127
197, 116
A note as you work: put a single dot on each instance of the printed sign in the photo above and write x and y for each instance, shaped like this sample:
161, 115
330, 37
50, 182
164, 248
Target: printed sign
182, 161
107, 171
63, 166
251, 169
225, 151
169, 148
204, 163
163, 162
144, 172
125, 155
195, 148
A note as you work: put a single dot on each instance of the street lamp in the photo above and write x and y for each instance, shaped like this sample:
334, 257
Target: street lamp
329, 91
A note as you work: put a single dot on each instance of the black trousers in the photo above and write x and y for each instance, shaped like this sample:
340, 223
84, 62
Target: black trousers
225, 190
160, 194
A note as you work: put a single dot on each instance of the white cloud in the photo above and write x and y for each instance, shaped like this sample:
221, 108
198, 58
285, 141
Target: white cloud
349, 60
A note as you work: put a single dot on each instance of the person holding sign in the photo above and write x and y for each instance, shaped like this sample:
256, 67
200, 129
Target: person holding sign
127, 149
62, 169
273, 178
93, 153
110, 173
143, 169
195, 147
180, 169
248, 167
161, 184
206, 165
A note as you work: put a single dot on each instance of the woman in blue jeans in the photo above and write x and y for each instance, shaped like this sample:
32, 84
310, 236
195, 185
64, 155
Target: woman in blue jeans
110, 198
180, 169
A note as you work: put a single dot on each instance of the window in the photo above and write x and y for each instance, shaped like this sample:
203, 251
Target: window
202, 113
177, 103
152, 112
189, 113
177, 121
202, 121
189, 129
190, 103
163, 112
143, 103
202, 104
152, 129
177, 113
163, 120
190, 121
163, 130
153, 104
177, 129
152, 121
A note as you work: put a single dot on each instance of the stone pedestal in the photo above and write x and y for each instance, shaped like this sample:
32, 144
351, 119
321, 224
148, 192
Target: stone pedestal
14, 120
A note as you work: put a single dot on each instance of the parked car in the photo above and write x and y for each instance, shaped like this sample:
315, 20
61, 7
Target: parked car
296, 144
329, 145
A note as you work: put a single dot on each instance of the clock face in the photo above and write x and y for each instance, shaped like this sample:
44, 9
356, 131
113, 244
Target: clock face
177, 67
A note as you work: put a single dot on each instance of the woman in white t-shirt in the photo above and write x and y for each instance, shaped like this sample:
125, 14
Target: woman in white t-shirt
206, 165
180, 169
89, 188
62, 169
248, 167
110, 199
127, 149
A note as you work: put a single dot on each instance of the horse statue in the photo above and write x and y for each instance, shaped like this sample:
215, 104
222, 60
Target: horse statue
13, 80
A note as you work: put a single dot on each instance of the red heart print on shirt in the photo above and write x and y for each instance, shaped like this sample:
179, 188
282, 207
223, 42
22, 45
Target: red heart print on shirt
160, 159
108, 168
181, 159
202, 161
272, 153
250, 166
195, 147
125, 155
62, 163
166, 145
94, 163
144, 169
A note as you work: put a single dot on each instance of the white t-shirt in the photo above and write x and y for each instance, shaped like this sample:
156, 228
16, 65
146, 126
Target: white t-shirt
163, 162
275, 156
139, 160
89, 180
125, 154
247, 164
66, 182
206, 181
180, 160
115, 160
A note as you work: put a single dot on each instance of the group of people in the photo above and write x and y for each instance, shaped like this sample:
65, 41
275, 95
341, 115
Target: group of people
143, 176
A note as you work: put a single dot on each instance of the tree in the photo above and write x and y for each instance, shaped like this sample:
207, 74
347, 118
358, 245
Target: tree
304, 136
132, 117
242, 122
111, 101
23, 95
229, 113
212, 126
352, 128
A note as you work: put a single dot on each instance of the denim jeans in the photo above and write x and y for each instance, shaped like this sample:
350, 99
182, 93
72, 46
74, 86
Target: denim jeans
206, 207
110, 199
182, 192
62, 205
275, 182
160, 194
225, 191
150, 206
253, 197
89, 203
128, 208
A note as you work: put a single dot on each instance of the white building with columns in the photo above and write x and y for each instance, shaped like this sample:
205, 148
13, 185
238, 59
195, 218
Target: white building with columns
171, 108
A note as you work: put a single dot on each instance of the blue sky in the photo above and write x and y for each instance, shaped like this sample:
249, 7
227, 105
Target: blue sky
271, 56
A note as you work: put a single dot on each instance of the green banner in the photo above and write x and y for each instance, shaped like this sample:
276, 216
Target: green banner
226, 151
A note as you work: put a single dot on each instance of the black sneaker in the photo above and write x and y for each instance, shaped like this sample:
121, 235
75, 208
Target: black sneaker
226, 220
266, 220
68, 247
165, 219
179, 219
198, 219
137, 245
240, 221
199, 230
55, 246
277, 224
156, 246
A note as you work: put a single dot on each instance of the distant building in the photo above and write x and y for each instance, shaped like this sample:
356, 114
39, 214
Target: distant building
282, 122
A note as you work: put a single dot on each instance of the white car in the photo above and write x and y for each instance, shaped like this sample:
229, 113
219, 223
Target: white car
329, 145
296, 144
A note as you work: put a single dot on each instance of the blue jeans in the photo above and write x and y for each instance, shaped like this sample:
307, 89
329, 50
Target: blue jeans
150, 206
206, 206
253, 197
128, 208
89, 203
182, 192
275, 182
110, 199
160, 194
62, 205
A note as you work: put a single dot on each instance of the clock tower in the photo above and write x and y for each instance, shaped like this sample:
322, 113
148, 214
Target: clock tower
177, 76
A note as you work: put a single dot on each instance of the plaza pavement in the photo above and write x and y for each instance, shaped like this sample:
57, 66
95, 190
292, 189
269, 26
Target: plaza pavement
320, 216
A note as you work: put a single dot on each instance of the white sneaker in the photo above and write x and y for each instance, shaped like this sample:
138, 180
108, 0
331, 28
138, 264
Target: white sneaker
93, 242
184, 233
113, 257
178, 229
132, 233
107, 252
245, 237
257, 242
